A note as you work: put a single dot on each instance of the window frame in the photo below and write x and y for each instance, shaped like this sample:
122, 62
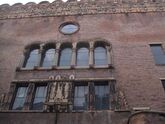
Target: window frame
78, 84
91, 102
82, 45
163, 83
44, 53
154, 57
27, 53
67, 23
34, 96
15, 96
63, 47
100, 44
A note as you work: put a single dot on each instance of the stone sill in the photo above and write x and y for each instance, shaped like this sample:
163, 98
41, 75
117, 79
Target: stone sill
63, 68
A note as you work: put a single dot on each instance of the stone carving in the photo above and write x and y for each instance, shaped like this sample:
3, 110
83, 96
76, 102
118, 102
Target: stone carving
60, 92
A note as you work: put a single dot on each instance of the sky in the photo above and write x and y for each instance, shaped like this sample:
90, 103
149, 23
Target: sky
11, 2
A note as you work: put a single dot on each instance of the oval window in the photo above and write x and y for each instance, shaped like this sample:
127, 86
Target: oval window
69, 28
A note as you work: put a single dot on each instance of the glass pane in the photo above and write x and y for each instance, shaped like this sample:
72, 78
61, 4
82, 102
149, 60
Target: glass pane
20, 98
33, 59
41, 91
18, 104
158, 53
21, 92
100, 56
80, 97
65, 58
49, 58
40, 96
82, 57
38, 103
69, 28
101, 97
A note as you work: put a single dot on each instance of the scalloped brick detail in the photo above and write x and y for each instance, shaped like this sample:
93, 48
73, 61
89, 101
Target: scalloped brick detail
57, 1
30, 3
17, 4
44, 2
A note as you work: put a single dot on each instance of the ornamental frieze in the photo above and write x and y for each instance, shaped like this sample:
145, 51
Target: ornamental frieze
72, 7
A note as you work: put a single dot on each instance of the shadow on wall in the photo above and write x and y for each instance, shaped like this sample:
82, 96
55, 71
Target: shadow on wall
147, 118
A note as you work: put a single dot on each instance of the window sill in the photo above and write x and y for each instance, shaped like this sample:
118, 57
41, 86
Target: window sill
25, 69
81, 111
103, 66
66, 67
160, 64
81, 67
23, 111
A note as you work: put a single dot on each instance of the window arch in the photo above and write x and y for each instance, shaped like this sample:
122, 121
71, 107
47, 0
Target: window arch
32, 58
100, 54
82, 54
48, 58
65, 55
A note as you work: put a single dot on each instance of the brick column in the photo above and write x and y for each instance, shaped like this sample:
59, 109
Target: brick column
91, 54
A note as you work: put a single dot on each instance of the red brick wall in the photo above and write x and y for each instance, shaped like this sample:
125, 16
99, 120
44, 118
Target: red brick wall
130, 36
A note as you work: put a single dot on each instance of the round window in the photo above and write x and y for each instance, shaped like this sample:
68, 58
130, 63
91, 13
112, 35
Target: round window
69, 28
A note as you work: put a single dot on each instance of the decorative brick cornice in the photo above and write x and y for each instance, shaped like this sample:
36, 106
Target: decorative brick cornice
73, 7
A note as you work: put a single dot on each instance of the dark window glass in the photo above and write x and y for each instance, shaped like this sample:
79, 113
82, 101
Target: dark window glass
163, 83
80, 97
101, 96
100, 56
32, 59
158, 54
69, 28
39, 98
65, 58
82, 56
49, 58
20, 98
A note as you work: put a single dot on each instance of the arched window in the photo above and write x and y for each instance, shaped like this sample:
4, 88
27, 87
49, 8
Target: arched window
82, 56
32, 59
100, 56
49, 58
65, 57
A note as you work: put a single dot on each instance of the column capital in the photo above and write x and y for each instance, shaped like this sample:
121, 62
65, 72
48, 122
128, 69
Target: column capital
74, 45
58, 46
91, 44
108, 48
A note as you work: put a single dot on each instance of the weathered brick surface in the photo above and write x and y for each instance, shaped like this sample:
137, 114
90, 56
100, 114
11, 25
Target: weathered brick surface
83, 7
130, 36
65, 118
147, 118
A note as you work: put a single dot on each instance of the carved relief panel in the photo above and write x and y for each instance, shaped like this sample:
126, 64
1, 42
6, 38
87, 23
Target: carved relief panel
59, 92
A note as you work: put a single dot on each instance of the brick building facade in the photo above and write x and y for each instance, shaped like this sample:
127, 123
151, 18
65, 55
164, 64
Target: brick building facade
86, 62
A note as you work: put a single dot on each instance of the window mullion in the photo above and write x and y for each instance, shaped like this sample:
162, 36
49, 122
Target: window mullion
55, 64
29, 96
73, 59
91, 54
41, 50
108, 56
22, 60
91, 99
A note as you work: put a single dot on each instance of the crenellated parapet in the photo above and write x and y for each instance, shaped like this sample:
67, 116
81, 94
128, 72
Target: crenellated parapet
74, 7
